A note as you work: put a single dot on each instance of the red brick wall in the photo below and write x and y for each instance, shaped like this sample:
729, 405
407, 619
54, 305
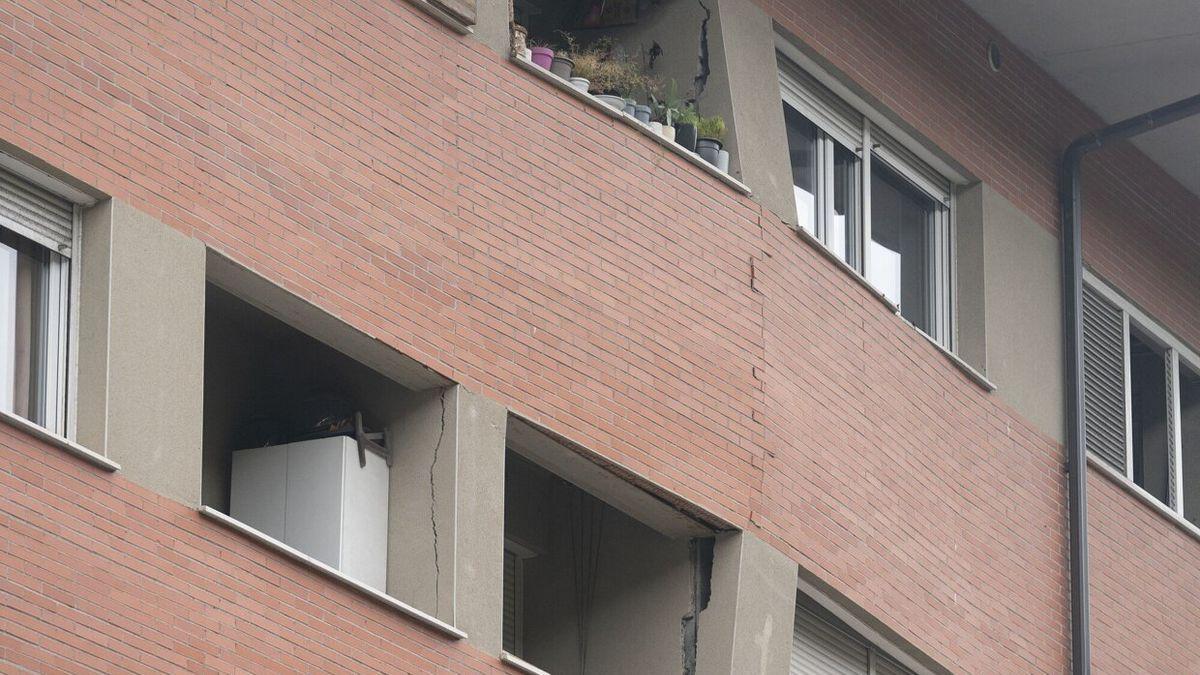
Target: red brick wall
427, 192
100, 575
1145, 586
925, 60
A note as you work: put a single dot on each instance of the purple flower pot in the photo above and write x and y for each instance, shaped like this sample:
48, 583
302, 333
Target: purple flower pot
543, 57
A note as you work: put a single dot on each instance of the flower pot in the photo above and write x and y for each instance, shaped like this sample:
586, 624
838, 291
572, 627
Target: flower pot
527, 54
581, 83
723, 160
642, 113
630, 106
708, 148
614, 101
542, 56
685, 135
656, 127
668, 132
562, 67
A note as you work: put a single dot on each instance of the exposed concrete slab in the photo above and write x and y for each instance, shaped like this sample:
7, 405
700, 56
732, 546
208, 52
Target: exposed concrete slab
141, 361
747, 627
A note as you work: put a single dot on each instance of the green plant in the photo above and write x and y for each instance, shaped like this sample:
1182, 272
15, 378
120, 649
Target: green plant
688, 115
711, 127
667, 104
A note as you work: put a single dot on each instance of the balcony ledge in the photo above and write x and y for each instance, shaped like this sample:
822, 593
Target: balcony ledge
630, 121
442, 16
1141, 495
521, 664
320, 567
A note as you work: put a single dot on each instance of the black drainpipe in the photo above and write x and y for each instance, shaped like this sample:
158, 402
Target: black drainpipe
1072, 271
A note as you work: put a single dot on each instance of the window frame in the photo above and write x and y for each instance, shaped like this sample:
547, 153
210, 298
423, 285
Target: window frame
1177, 355
833, 120
62, 303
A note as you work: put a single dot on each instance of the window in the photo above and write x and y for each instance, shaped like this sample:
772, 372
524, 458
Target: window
821, 643
36, 232
1141, 400
884, 212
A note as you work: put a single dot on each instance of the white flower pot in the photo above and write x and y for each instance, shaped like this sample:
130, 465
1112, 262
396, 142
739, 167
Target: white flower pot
668, 133
580, 83
656, 127
723, 161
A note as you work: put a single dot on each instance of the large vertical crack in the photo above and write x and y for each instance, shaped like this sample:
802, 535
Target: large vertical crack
437, 567
700, 553
701, 80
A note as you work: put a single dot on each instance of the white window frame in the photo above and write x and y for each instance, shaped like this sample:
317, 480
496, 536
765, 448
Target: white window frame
59, 411
1176, 354
831, 122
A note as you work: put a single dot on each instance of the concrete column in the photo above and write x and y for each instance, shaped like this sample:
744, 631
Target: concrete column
141, 353
492, 25
745, 90
747, 626
446, 510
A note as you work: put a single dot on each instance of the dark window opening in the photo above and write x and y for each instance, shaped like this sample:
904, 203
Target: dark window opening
901, 258
1148, 403
1189, 420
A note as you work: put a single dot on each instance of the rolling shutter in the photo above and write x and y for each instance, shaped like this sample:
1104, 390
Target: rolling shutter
462, 10
886, 666
820, 105
36, 214
1103, 379
1171, 359
909, 165
820, 648
512, 604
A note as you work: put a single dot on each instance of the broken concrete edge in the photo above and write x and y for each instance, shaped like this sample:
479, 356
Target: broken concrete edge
64, 444
322, 568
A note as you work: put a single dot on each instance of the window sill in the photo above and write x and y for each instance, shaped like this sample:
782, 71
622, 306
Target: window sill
521, 664
966, 368
564, 86
93, 458
318, 566
442, 16
1143, 496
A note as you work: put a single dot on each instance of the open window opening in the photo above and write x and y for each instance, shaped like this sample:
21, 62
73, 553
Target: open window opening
296, 438
588, 586
1149, 417
37, 229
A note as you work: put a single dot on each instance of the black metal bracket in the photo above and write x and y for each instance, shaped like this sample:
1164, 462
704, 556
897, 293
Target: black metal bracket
365, 443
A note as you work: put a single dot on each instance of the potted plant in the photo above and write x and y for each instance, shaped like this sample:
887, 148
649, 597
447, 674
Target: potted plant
709, 130
685, 127
541, 54
519, 36
589, 65
667, 104
561, 65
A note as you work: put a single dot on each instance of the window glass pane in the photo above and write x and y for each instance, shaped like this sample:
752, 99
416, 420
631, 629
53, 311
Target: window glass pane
1189, 431
25, 304
840, 236
1148, 403
901, 268
802, 151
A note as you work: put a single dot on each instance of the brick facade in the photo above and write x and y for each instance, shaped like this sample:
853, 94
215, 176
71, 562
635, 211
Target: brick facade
423, 190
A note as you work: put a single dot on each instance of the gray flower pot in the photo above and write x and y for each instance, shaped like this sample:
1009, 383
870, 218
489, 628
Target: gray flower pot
562, 67
708, 148
723, 160
614, 101
642, 113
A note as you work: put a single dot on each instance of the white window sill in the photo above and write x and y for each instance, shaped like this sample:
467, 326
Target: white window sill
442, 16
966, 368
317, 565
521, 664
630, 121
1145, 497
93, 458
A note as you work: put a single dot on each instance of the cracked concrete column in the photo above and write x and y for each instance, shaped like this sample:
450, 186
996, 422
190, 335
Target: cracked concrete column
446, 510
747, 627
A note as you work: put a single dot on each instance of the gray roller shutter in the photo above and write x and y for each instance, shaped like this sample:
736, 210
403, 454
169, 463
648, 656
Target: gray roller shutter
1104, 379
820, 105
886, 666
512, 604
820, 648
36, 214
1172, 436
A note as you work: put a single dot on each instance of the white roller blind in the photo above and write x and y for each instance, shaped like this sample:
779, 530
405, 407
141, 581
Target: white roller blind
909, 165
36, 214
820, 105
1103, 379
819, 648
